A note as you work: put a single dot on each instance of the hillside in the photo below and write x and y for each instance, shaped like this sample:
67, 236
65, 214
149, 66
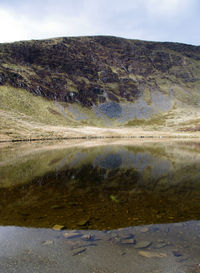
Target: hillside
47, 86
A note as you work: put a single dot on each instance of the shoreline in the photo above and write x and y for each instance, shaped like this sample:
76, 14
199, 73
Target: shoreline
101, 137
53, 133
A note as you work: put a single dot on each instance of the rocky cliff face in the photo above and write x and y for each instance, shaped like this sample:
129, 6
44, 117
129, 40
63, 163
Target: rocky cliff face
126, 80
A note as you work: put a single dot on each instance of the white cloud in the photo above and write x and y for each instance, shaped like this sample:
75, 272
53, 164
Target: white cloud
168, 7
23, 28
11, 28
138, 19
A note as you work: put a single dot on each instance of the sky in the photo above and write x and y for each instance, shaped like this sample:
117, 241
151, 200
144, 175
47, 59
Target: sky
152, 20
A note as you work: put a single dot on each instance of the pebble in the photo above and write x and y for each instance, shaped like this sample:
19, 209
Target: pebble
128, 241
70, 235
113, 234
143, 244
125, 236
87, 237
145, 229
152, 254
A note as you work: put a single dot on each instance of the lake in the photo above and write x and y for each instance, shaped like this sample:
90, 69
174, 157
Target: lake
100, 206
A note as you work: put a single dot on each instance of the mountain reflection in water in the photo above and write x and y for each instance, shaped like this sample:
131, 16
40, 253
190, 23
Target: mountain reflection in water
101, 187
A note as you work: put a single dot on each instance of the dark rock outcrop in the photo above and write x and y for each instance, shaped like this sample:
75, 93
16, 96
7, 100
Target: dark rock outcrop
91, 70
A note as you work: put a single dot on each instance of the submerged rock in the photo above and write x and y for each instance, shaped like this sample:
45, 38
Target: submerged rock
83, 222
125, 236
58, 227
145, 229
177, 253
88, 237
152, 254
70, 235
143, 244
161, 244
128, 241
47, 243
78, 251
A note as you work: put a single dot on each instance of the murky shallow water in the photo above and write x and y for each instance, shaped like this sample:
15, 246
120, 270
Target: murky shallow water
135, 207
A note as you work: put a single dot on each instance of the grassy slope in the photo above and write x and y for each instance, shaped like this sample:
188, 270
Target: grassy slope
125, 69
25, 116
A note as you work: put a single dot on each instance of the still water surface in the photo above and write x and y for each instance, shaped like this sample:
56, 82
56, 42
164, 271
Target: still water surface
123, 207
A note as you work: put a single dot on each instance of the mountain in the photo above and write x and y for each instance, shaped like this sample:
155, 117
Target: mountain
49, 85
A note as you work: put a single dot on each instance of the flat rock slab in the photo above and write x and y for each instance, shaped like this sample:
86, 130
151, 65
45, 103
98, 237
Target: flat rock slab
161, 244
143, 244
70, 235
152, 254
